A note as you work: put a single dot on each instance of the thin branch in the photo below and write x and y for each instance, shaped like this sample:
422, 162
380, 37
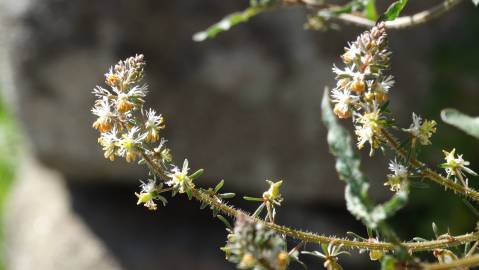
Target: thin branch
472, 250
309, 237
427, 172
404, 21
457, 264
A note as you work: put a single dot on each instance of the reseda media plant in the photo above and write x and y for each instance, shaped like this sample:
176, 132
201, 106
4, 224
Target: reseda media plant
129, 130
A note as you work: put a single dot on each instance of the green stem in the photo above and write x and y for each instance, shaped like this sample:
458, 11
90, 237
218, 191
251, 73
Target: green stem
472, 250
457, 264
309, 237
427, 172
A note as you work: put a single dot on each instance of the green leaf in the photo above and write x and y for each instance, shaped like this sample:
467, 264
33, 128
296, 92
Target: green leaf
357, 184
468, 124
227, 22
258, 211
435, 230
227, 195
371, 12
253, 199
225, 221
219, 186
394, 10
163, 200
356, 236
189, 194
475, 2
388, 263
197, 174
347, 8
471, 207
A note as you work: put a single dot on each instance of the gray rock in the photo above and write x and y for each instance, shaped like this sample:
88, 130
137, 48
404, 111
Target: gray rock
43, 233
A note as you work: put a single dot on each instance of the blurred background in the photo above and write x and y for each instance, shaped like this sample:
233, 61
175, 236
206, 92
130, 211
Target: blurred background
244, 106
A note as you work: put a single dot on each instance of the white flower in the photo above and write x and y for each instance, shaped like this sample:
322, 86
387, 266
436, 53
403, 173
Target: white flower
347, 72
130, 99
422, 130
153, 124
398, 176
368, 129
398, 169
365, 134
149, 186
109, 141
415, 126
344, 100
457, 166
386, 84
180, 179
101, 92
351, 53
149, 192
102, 109
129, 144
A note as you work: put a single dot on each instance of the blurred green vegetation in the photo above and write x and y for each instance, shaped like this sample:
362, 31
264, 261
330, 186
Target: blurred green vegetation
8, 154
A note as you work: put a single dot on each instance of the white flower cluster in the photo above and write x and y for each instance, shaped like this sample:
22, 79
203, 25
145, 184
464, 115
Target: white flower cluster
122, 121
362, 87
252, 246
127, 129
362, 90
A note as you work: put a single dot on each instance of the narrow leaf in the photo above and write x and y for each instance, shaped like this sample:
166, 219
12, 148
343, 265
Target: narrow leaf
219, 186
471, 207
163, 200
225, 221
394, 10
227, 195
435, 230
227, 22
197, 174
259, 210
348, 164
468, 124
253, 199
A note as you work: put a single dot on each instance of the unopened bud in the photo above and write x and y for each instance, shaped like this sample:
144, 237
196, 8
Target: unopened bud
342, 111
348, 57
358, 86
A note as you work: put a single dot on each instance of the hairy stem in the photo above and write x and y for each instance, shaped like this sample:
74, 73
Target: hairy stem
427, 172
457, 264
309, 237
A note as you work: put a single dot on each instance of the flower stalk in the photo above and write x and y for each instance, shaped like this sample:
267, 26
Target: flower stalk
127, 130
309, 237
427, 172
